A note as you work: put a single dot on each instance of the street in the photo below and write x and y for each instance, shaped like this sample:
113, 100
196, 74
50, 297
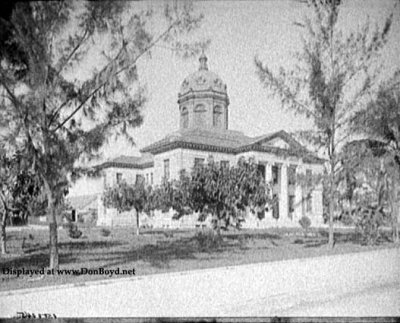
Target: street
358, 284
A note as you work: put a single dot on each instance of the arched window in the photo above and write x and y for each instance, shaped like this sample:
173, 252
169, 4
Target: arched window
185, 117
199, 115
217, 116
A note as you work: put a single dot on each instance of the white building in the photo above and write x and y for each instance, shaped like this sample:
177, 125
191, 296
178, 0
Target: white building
204, 130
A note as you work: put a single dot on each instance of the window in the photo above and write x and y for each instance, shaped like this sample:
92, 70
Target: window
139, 179
275, 172
309, 203
224, 164
261, 170
291, 206
166, 169
309, 178
151, 178
199, 115
217, 116
185, 117
147, 178
292, 175
198, 162
105, 180
275, 206
119, 178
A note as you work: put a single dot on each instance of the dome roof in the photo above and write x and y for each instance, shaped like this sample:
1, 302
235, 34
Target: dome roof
202, 80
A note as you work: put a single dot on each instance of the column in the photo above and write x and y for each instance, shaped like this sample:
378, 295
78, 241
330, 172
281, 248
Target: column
283, 194
268, 172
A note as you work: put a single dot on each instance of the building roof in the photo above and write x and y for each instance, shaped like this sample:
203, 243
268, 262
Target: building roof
144, 161
202, 80
231, 142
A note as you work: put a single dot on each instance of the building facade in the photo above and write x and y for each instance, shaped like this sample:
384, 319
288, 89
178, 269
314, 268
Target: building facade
204, 131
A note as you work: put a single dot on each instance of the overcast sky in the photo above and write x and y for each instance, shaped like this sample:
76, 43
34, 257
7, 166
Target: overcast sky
238, 31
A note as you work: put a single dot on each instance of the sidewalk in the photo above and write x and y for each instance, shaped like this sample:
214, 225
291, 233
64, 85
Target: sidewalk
276, 286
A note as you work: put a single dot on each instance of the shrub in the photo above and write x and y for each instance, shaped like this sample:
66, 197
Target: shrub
75, 234
207, 240
105, 232
72, 229
305, 223
347, 218
368, 220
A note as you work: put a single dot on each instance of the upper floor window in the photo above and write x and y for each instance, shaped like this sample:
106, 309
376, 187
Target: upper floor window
309, 203
275, 173
119, 178
199, 115
217, 116
291, 204
309, 178
185, 117
151, 178
105, 180
292, 175
166, 169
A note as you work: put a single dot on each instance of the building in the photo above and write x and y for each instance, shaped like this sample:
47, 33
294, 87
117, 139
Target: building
203, 103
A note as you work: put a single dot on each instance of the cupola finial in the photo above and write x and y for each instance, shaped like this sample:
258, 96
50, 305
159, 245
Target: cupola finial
203, 61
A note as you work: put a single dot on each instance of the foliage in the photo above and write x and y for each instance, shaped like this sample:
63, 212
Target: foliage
381, 120
73, 231
61, 106
127, 197
222, 192
335, 71
208, 240
20, 190
368, 221
105, 232
305, 222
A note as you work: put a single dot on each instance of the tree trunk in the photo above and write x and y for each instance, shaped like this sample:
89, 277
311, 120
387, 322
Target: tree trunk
218, 223
137, 223
394, 214
51, 216
3, 237
331, 238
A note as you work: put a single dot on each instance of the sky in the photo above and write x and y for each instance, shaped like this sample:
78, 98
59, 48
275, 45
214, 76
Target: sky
239, 31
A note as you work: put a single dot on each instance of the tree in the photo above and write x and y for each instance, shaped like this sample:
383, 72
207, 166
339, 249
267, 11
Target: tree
335, 70
380, 120
61, 111
221, 191
19, 191
125, 197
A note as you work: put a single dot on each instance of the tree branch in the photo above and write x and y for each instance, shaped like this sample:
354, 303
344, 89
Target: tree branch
116, 73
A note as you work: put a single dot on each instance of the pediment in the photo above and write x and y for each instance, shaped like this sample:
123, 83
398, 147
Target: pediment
276, 142
280, 139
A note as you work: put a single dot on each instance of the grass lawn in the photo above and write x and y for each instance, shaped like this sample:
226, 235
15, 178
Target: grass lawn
161, 251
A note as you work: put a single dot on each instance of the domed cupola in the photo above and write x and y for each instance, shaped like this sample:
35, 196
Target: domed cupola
203, 100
